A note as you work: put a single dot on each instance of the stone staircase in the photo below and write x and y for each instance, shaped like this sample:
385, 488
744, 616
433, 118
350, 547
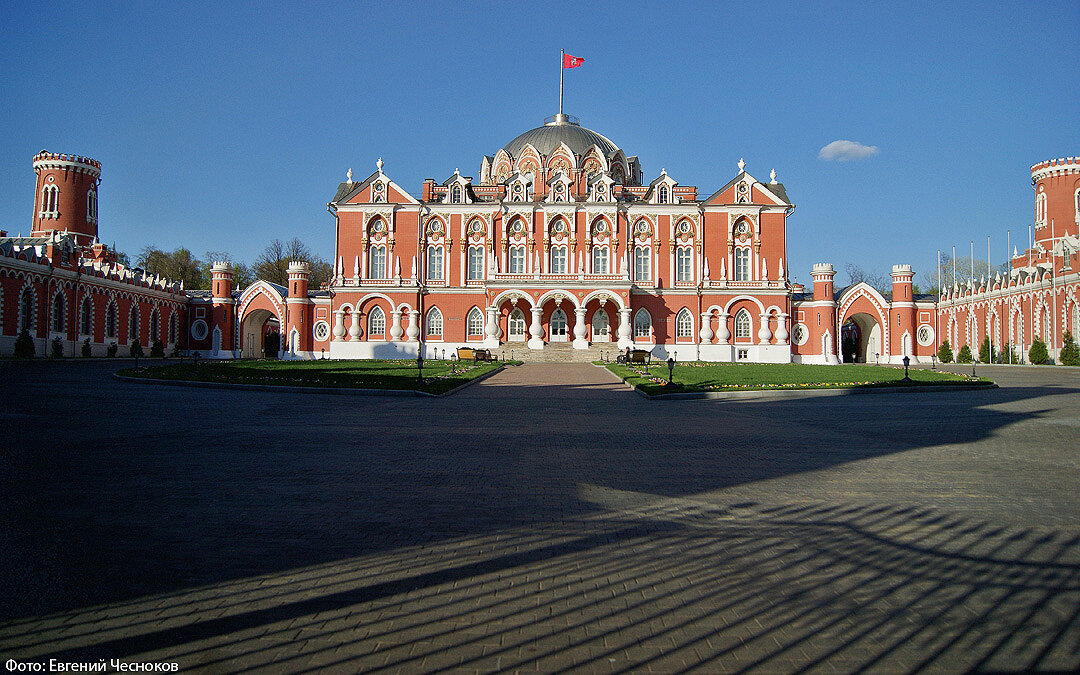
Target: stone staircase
557, 352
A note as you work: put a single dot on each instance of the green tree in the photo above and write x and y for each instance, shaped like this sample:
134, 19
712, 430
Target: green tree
1008, 354
157, 350
136, 349
944, 352
1037, 353
984, 350
178, 265
86, 348
965, 355
1070, 354
24, 346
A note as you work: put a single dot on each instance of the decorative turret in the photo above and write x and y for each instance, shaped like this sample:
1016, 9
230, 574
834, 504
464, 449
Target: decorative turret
1057, 207
823, 274
222, 280
65, 198
298, 279
901, 283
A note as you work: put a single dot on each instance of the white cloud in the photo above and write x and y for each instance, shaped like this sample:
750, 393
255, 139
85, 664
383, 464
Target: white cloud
846, 151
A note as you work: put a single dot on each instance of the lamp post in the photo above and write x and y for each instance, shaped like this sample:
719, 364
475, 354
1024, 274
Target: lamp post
419, 367
670, 369
907, 360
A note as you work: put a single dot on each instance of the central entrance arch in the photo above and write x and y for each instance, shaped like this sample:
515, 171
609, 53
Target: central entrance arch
860, 339
260, 335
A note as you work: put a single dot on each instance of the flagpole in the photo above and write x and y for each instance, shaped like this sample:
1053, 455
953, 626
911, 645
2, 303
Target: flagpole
562, 62
1053, 289
1008, 277
990, 306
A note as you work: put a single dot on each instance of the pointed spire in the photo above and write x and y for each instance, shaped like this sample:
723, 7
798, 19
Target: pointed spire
705, 269
723, 269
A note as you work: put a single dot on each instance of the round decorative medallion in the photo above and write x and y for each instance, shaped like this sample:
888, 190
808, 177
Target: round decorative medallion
199, 330
559, 227
50, 179
476, 226
742, 187
435, 227
378, 187
642, 227
684, 227
925, 335
799, 334
378, 226
321, 331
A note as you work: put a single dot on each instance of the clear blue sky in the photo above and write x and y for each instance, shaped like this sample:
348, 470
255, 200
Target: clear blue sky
222, 127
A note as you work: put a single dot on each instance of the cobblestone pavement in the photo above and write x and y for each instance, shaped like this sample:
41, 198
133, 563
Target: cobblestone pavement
544, 519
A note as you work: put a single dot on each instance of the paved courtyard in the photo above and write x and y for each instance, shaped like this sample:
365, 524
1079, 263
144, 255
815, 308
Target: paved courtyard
544, 519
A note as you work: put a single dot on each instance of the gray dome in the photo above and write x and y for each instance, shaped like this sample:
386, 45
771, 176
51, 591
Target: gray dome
560, 130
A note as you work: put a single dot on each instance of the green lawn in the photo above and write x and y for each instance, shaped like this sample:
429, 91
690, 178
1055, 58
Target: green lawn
698, 376
439, 376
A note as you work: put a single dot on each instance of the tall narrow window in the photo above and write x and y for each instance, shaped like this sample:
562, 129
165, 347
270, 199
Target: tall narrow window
26, 311
684, 324
455, 194
642, 325
59, 309
558, 259
558, 326
476, 263
173, 332
684, 267
110, 320
1040, 208
742, 264
434, 322
474, 323
742, 325
376, 323
50, 201
663, 195
435, 263
517, 260
155, 326
133, 324
377, 262
642, 268
86, 315
600, 260
91, 206
517, 325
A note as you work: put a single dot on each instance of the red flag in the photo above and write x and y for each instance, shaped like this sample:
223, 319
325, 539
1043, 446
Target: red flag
572, 61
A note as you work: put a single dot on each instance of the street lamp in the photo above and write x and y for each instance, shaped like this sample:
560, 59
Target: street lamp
907, 360
670, 368
419, 367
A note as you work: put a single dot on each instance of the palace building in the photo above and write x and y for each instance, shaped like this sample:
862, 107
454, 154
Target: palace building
559, 249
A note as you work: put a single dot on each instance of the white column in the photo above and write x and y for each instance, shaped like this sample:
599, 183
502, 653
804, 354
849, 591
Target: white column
722, 332
339, 324
764, 333
626, 335
395, 325
536, 331
491, 328
706, 332
579, 329
413, 329
354, 327
781, 329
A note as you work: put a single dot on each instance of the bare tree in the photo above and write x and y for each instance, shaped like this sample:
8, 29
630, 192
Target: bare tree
856, 274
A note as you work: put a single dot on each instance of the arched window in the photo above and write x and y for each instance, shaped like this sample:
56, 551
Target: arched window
59, 309
155, 325
377, 262
174, 331
662, 195
26, 311
600, 260
1040, 208
376, 323
435, 263
476, 263
742, 325
517, 260
684, 324
455, 194
86, 316
684, 267
110, 320
1048, 335
474, 323
1076, 202
91, 206
433, 324
642, 268
558, 326
133, 324
558, 259
642, 325
601, 326
50, 201
517, 326
742, 264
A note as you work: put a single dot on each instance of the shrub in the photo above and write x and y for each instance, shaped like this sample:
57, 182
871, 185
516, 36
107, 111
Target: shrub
1038, 353
57, 351
136, 349
985, 356
965, 355
86, 348
1070, 353
24, 346
111, 350
944, 352
1008, 354
157, 350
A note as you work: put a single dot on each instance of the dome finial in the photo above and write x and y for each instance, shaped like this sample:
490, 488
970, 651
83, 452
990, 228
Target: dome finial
378, 164
772, 177
742, 164
348, 175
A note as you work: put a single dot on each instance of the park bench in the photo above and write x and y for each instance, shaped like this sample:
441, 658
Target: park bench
474, 355
637, 356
